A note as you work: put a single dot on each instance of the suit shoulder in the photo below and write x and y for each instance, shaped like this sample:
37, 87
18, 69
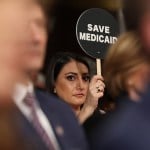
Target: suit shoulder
51, 100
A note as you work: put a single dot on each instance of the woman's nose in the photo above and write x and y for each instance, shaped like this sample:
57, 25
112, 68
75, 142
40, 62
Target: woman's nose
80, 84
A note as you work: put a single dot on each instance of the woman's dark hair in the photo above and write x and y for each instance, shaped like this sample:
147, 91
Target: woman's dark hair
57, 62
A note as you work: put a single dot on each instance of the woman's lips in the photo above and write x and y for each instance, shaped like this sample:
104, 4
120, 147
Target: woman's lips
79, 95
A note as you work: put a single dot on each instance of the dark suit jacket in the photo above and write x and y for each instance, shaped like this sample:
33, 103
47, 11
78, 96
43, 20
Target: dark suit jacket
62, 117
23, 136
126, 129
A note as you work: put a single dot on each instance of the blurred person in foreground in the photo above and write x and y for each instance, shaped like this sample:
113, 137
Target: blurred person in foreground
54, 119
11, 58
14, 21
126, 73
126, 68
132, 127
10, 70
12, 28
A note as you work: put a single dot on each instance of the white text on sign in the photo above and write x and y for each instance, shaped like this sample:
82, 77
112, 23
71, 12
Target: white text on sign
103, 37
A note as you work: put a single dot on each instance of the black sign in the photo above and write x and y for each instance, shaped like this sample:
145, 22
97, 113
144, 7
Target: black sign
96, 29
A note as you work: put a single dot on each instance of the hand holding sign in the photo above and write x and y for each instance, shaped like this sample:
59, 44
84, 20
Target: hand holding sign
96, 29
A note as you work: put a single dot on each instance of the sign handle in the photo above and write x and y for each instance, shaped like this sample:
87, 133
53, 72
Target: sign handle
98, 66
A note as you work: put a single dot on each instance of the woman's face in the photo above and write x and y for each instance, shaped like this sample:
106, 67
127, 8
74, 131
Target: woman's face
72, 83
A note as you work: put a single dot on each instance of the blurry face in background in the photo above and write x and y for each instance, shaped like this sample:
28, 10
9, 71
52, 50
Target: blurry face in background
145, 31
21, 23
72, 83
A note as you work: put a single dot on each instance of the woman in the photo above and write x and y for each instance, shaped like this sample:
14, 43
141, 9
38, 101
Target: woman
68, 77
126, 68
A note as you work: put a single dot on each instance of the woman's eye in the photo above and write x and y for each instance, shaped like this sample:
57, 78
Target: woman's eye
71, 78
86, 78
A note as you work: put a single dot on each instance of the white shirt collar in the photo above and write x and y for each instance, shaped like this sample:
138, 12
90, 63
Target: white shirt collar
21, 91
19, 95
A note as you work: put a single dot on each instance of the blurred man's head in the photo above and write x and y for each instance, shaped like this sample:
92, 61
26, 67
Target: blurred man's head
22, 40
35, 38
25, 29
11, 29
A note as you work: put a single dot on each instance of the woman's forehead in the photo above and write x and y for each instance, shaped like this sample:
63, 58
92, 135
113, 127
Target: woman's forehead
74, 66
